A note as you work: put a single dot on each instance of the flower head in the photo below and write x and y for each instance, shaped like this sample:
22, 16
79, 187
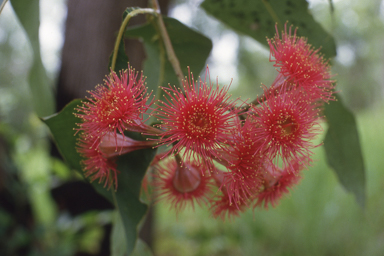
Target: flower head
285, 124
276, 184
181, 184
223, 205
95, 164
99, 154
197, 121
115, 107
223, 208
301, 64
243, 177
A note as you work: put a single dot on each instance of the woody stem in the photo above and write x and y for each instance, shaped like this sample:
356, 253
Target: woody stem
168, 45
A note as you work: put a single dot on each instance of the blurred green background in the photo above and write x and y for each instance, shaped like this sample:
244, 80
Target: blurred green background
317, 218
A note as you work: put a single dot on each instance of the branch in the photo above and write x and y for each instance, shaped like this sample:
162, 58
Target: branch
122, 30
168, 45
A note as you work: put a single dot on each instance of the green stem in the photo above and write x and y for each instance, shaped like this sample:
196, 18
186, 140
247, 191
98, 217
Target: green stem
2, 5
122, 30
168, 45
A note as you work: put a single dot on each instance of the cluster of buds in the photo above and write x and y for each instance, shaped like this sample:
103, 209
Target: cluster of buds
214, 151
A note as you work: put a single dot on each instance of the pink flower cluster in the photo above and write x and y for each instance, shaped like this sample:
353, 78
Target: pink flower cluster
214, 151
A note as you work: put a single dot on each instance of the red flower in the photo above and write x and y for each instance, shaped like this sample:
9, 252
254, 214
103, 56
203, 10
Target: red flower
222, 205
223, 208
95, 164
99, 154
285, 124
117, 106
198, 121
181, 184
301, 64
242, 180
276, 185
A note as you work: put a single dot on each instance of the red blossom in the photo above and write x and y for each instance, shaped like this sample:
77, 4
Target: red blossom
115, 107
243, 178
276, 185
181, 184
197, 121
99, 154
95, 164
301, 64
222, 205
285, 124
223, 208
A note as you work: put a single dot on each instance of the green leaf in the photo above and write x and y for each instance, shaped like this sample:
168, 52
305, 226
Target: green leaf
62, 127
42, 94
141, 249
342, 148
118, 241
118, 238
191, 48
257, 18
132, 169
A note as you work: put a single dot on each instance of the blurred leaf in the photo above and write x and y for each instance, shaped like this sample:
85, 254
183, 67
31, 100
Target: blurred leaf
331, 7
35, 169
62, 127
42, 94
132, 169
118, 247
342, 147
118, 240
191, 48
257, 18
141, 249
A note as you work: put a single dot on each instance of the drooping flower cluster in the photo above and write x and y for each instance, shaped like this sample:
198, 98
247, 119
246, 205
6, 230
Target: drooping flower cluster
214, 151
113, 108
